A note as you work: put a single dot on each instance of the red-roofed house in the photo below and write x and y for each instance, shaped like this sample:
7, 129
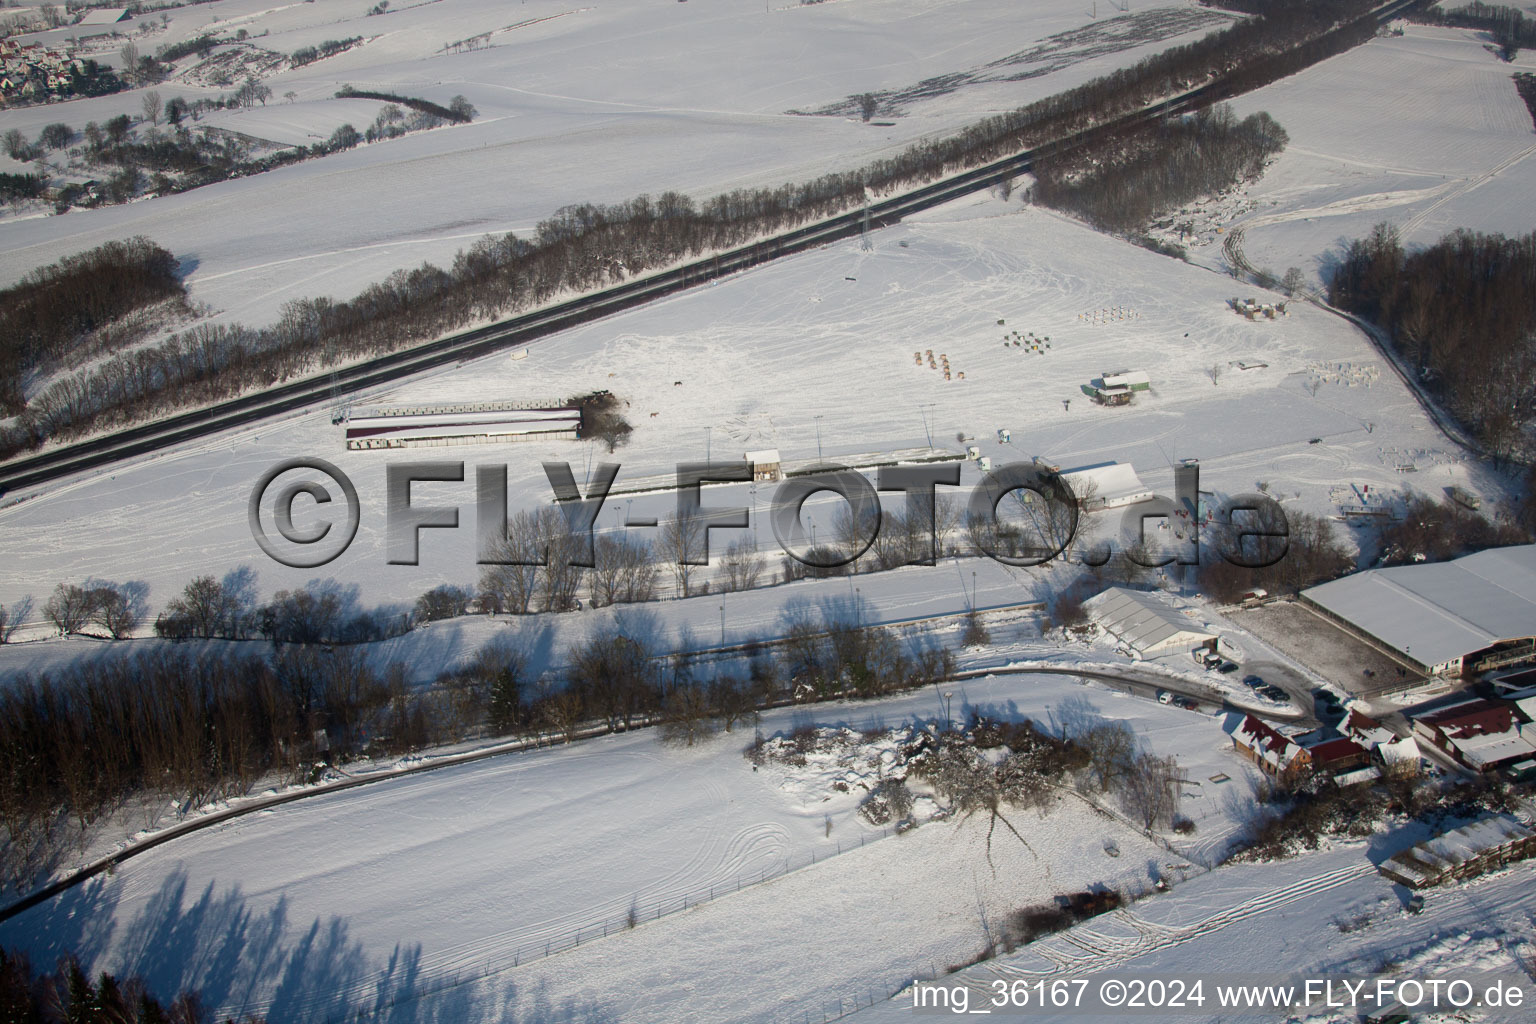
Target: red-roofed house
1338, 755
1397, 755
1479, 734
1275, 754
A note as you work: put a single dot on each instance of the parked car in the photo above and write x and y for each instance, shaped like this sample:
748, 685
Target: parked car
1274, 692
1253, 682
1227, 667
1186, 703
1164, 697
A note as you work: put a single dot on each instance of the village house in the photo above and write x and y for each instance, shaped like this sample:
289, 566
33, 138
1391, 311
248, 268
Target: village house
1277, 755
1478, 734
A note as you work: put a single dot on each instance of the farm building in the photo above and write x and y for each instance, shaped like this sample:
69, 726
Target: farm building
1106, 485
765, 464
1117, 387
1397, 755
429, 426
1338, 756
1144, 622
104, 16
1136, 380
1478, 734
1460, 617
1275, 754
1465, 852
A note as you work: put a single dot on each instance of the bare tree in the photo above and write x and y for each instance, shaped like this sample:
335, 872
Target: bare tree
1150, 791
511, 584
1214, 372
1293, 280
14, 618
742, 564
1111, 748
130, 57
688, 718
682, 545
69, 608
151, 103
560, 578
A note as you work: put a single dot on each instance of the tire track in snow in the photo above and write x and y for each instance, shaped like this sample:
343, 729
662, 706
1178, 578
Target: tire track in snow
1084, 950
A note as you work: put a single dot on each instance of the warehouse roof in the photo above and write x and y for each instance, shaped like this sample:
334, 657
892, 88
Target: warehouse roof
1438, 612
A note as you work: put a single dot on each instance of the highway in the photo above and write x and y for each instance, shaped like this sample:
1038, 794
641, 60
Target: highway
520, 330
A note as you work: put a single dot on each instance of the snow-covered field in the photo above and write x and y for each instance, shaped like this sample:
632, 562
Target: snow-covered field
435, 896
797, 351
577, 103
1424, 130
465, 874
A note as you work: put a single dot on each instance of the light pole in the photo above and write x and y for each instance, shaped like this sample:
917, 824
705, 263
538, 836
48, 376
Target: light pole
707, 443
923, 412
722, 625
973, 590
818, 438
947, 695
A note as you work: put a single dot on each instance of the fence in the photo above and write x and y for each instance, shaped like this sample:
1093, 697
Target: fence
637, 915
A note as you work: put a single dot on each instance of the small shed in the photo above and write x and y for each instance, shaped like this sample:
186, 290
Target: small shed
1136, 380
765, 464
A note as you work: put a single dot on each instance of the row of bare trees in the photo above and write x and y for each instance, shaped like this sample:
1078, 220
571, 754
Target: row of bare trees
585, 245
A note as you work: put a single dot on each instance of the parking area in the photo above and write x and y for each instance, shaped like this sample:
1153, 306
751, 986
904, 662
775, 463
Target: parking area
1351, 664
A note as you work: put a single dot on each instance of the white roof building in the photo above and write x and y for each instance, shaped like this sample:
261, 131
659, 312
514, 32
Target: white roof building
1145, 621
104, 16
1106, 485
1438, 614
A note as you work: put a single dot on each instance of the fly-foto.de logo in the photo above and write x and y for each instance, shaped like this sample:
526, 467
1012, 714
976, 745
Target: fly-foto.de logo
305, 512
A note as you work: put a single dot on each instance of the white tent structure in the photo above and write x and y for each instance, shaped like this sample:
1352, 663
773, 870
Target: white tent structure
1106, 485
1145, 621
1438, 615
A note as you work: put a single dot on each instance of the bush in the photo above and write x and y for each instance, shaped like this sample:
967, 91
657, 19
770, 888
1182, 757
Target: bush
889, 801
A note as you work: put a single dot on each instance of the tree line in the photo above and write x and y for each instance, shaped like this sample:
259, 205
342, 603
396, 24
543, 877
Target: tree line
198, 724
1510, 28
1124, 183
53, 313
584, 246
1462, 314
67, 994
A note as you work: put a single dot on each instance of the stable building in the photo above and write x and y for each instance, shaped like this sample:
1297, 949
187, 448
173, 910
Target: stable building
1462, 617
1145, 622
1478, 734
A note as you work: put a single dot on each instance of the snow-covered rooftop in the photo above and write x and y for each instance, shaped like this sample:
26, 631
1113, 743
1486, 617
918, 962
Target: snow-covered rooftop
1106, 484
1142, 620
1436, 613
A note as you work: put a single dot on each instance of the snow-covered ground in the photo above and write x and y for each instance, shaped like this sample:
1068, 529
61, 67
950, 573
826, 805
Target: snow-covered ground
463, 875
1319, 914
577, 103
811, 353
1424, 130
